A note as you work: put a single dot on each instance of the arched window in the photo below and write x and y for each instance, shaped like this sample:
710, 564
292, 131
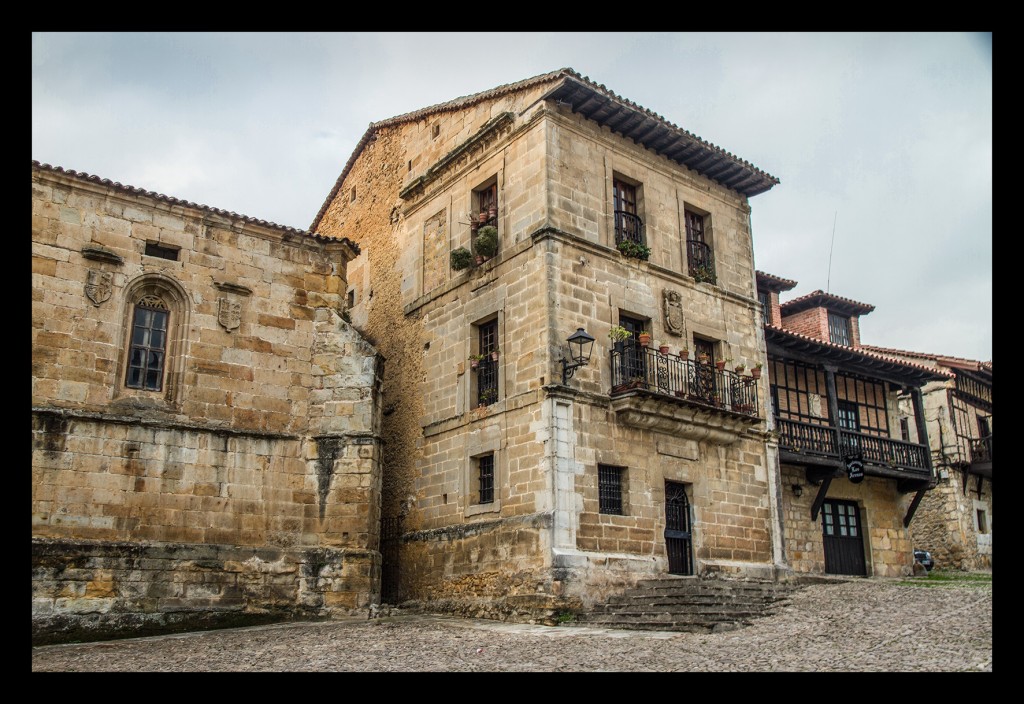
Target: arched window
148, 347
155, 318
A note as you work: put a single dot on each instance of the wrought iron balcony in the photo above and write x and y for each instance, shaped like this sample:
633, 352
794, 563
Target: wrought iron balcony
818, 442
628, 228
702, 261
486, 382
683, 380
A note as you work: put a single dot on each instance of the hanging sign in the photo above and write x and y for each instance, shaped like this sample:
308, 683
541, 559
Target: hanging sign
855, 467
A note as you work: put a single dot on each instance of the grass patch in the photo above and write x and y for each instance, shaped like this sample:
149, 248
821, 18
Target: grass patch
939, 578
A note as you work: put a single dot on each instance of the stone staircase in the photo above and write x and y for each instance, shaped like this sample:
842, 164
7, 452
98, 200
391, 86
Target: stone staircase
689, 604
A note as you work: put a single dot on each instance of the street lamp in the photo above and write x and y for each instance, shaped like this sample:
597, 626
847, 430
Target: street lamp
580, 346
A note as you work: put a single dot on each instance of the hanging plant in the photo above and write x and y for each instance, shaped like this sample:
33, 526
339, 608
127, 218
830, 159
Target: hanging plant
486, 242
461, 259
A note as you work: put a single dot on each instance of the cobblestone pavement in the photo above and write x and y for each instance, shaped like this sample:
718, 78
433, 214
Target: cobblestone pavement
864, 625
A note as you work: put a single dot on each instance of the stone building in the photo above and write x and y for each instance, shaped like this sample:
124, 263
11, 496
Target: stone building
205, 424
516, 483
851, 477
955, 519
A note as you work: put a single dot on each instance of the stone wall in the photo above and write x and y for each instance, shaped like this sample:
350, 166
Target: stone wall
262, 433
556, 270
888, 546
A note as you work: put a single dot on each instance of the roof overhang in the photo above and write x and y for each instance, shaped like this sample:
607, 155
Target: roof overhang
654, 132
782, 343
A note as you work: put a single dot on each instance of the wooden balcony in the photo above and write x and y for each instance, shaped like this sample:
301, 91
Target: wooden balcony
813, 444
690, 399
981, 457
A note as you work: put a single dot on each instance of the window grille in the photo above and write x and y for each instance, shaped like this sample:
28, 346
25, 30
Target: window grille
485, 466
609, 483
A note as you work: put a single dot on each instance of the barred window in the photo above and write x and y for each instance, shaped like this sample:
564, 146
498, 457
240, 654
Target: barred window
765, 299
487, 369
485, 479
609, 488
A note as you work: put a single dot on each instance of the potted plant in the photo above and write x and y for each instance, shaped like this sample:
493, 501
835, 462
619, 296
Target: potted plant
461, 259
739, 368
720, 363
645, 338
684, 352
494, 354
486, 242
481, 217
487, 397
703, 358
755, 371
618, 335
492, 212
475, 359
637, 250
663, 349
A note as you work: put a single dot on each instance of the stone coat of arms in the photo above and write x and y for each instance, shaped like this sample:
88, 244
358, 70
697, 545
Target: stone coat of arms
673, 312
99, 285
229, 313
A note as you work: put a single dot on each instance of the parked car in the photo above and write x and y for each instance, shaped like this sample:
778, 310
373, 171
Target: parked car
925, 558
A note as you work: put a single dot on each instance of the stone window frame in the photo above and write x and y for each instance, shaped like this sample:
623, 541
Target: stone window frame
639, 205
480, 316
150, 287
616, 492
707, 237
471, 475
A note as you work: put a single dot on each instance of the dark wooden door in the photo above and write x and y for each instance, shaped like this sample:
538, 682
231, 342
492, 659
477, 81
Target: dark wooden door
678, 536
843, 538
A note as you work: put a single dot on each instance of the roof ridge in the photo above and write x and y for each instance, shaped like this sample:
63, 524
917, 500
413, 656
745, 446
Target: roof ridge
135, 190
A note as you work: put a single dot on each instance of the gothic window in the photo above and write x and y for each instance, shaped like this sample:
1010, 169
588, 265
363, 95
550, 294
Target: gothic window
148, 348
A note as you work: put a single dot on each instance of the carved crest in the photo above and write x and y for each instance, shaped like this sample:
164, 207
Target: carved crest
673, 312
229, 313
99, 285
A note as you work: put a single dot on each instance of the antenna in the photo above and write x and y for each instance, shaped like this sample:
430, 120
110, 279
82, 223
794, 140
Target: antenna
828, 279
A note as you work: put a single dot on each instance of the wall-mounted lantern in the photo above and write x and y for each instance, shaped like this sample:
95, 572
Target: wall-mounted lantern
798, 490
580, 346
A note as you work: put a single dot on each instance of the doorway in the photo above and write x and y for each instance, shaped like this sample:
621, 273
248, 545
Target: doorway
678, 534
843, 538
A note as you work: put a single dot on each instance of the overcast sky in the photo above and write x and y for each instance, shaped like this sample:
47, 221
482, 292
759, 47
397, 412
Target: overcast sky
882, 142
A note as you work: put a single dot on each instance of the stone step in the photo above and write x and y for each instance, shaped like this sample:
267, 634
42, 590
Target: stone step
688, 604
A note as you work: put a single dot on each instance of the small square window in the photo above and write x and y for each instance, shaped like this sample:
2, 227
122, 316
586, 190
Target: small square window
609, 489
982, 521
156, 250
839, 329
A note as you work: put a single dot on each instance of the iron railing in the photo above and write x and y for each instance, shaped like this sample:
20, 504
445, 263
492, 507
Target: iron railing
628, 227
645, 368
820, 440
701, 260
486, 382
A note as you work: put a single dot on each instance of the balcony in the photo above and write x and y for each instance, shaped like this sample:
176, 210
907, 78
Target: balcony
981, 456
816, 444
664, 392
628, 228
702, 261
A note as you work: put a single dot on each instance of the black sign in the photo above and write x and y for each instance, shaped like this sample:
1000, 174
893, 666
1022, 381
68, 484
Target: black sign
855, 467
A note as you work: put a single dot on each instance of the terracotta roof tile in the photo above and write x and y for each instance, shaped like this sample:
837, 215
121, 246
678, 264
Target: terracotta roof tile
776, 283
959, 362
859, 350
550, 77
81, 175
820, 298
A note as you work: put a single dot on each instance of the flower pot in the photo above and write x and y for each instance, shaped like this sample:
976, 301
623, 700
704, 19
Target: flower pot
685, 354
492, 212
481, 218
755, 373
494, 356
739, 369
645, 339
479, 259
663, 349
720, 366
704, 359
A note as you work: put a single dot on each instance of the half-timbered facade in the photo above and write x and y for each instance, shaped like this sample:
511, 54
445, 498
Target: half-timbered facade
955, 520
851, 482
